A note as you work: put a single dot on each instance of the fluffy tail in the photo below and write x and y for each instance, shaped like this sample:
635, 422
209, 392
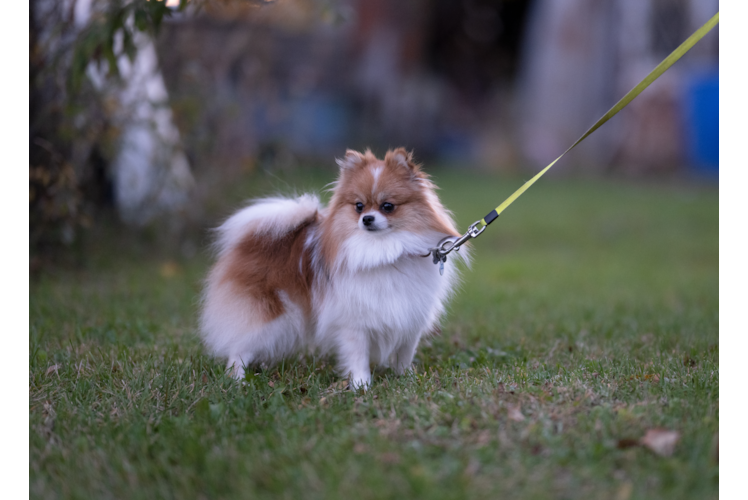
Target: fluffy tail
273, 217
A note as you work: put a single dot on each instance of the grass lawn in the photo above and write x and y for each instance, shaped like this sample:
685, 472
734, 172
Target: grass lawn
589, 316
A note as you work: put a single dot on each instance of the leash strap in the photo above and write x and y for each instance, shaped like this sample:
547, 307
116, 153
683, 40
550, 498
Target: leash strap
448, 244
633, 93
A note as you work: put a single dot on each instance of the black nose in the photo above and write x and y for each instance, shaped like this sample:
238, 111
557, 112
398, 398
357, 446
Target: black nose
368, 220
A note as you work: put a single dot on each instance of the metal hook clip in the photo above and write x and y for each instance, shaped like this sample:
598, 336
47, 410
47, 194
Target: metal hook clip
446, 245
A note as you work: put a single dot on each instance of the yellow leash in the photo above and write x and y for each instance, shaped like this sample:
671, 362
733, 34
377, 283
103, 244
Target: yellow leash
448, 244
651, 77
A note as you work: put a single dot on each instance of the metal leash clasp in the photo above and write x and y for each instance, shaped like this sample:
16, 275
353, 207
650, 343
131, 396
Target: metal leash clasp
441, 250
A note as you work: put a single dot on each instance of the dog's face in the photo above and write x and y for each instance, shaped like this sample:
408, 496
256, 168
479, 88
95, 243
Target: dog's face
381, 196
380, 207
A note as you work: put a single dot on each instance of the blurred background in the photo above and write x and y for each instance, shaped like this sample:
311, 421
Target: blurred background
146, 115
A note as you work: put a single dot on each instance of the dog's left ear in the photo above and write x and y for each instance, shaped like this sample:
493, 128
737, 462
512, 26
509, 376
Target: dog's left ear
402, 158
352, 159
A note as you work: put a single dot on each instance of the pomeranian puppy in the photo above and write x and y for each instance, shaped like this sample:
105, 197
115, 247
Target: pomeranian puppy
353, 279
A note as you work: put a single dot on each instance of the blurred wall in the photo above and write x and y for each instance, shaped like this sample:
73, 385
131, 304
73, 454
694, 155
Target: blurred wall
254, 87
581, 56
495, 83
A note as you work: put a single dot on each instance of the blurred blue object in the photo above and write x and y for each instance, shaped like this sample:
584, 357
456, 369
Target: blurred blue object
317, 123
456, 146
702, 122
310, 124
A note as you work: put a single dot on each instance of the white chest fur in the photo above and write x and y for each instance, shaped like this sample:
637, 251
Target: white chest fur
396, 296
388, 304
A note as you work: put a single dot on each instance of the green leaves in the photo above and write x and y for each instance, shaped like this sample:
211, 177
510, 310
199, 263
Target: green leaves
111, 35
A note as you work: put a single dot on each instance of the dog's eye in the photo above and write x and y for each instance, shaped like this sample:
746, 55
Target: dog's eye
387, 207
359, 207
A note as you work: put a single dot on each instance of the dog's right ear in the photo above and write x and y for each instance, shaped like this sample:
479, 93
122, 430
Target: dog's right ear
351, 160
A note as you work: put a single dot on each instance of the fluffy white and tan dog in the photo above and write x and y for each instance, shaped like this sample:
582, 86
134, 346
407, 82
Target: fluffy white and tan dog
349, 279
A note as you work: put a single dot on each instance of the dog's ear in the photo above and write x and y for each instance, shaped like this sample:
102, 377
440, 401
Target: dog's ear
400, 157
351, 160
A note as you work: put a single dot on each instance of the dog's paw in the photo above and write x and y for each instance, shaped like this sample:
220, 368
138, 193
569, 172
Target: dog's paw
360, 383
235, 371
403, 370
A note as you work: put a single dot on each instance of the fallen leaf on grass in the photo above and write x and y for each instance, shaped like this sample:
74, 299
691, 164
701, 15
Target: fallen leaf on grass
688, 361
484, 437
624, 492
472, 468
515, 414
53, 368
169, 269
651, 377
627, 443
661, 441
304, 403
340, 385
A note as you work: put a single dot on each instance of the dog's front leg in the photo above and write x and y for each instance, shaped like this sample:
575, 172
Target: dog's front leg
404, 354
236, 364
353, 358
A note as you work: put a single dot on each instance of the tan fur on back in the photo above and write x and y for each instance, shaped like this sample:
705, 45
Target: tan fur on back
260, 267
